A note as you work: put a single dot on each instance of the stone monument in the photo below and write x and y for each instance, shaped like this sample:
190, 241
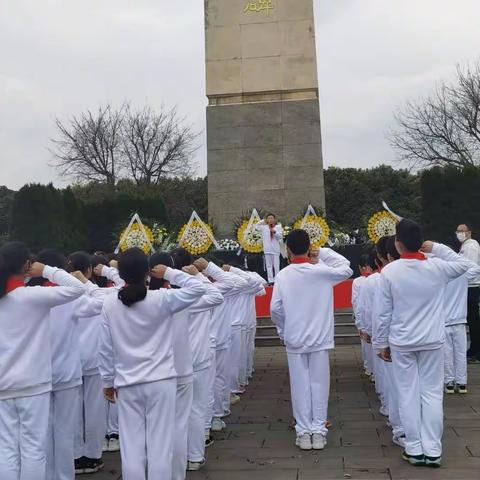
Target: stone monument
263, 119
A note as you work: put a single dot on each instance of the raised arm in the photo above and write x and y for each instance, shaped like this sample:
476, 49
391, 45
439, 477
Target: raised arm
68, 289
338, 266
254, 284
191, 290
223, 280
210, 299
112, 274
451, 264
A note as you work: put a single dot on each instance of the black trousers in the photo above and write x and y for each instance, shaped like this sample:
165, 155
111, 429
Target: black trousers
473, 319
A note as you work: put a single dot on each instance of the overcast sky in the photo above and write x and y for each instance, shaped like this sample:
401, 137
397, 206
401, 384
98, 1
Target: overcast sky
60, 57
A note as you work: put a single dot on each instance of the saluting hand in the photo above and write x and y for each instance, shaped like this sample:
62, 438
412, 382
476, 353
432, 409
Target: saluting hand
98, 270
226, 268
36, 269
158, 271
200, 264
191, 270
427, 247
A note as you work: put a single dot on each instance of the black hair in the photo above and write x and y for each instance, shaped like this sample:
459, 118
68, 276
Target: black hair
98, 259
159, 258
454, 243
181, 258
52, 257
271, 215
13, 257
367, 260
133, 268
381, 247
392, 249
298, 242
410, 234
79, 261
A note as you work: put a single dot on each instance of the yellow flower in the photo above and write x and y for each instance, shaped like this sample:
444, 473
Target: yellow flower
381, 224
250, 241
317, 229
197, 240
136, 238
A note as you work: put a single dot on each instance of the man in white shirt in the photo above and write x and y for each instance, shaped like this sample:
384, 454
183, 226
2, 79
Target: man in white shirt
302, 310
471, 250
271, 236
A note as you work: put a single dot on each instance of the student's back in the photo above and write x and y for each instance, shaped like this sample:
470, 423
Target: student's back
417, 288
25, 366
305, 294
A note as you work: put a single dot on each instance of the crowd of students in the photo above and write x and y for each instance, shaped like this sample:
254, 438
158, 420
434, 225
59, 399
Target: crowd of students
147, 354
144, 355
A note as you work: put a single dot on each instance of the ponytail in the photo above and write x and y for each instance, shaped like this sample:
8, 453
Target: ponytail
133, 268
13, 258
132, 294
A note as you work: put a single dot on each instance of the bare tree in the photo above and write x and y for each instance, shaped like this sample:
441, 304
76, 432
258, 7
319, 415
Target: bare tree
88, 147
443, 129
156, 145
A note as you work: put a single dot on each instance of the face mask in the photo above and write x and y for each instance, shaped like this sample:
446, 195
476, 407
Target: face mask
461, 236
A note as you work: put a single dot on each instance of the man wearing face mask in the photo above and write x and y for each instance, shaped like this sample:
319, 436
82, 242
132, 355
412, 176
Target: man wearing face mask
471, 250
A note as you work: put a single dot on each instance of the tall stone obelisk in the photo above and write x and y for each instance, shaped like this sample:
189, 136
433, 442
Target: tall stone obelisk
263, 118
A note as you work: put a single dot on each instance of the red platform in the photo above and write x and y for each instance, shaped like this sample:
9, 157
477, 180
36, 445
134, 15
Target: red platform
342, 298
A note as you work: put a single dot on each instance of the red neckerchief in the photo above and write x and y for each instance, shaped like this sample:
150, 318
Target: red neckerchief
166, 284
413, 256
49, 284
13, 284
300, 260
366, 275
110, 284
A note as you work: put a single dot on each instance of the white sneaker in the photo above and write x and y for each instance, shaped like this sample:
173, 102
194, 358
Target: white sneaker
195, 466
318, 441
399, 440
234, 399
226, 413
114, 443
218, 425
304, 442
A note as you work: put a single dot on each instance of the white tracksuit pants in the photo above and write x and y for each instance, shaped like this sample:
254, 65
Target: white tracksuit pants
310, 388
221, 388
146, 419
272, 265
393, 407
456, 354
61, 434
379, 372
198, 413
419, 377
91, 418
242, 371
183, 406
251, 350
23, 437
112, 418
212, 370
368, 357
235, 356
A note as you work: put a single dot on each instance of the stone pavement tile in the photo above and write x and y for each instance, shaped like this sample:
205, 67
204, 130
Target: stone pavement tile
360, 474
474, 449
274, 474
112, 469
468, 434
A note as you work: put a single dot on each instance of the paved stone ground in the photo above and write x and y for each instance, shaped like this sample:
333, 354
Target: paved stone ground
259, 445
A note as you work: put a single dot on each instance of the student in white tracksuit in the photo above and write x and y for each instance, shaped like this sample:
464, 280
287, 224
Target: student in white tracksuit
137, 360
66, 371
272, 235
91, 407
389, 385
199, 336
456, 299
366, 303
229, 286
247, 307
26, 360
302, 309
366, 269
411, 331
